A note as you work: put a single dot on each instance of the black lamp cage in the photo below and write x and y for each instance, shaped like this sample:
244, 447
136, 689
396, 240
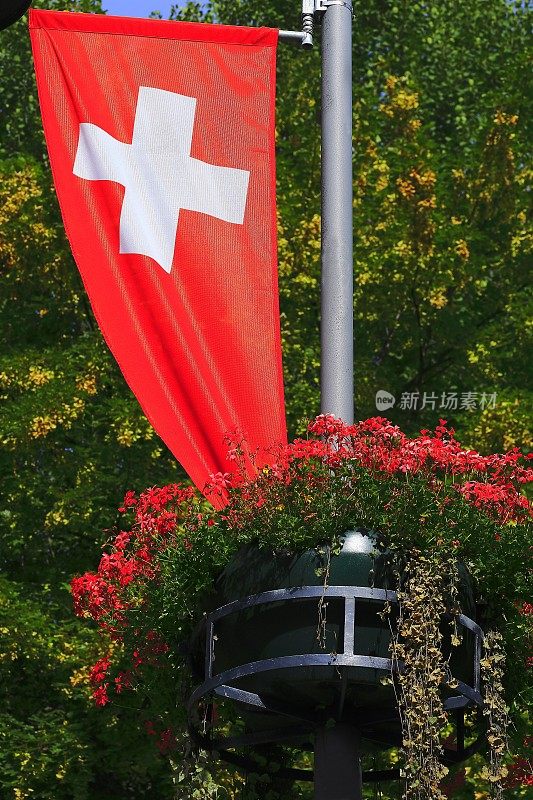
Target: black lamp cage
379, 726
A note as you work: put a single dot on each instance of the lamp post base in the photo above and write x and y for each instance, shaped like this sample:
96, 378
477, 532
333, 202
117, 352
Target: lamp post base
337, 764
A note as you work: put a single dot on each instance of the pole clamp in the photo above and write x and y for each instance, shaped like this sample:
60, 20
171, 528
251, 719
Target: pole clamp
322, 5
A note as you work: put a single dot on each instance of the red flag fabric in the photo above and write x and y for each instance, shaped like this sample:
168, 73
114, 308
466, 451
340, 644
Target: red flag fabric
161, 142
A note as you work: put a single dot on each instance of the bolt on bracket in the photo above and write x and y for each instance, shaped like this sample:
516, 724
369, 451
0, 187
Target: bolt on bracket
308, 21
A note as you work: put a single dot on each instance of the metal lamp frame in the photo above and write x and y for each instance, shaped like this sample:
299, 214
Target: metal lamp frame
225, 684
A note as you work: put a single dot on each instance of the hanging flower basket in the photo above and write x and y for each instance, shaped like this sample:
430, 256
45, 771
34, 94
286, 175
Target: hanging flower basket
337, 582
318, 647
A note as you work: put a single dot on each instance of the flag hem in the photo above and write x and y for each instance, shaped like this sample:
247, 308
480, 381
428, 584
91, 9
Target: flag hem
152, 28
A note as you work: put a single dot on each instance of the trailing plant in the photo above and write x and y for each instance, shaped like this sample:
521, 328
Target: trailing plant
492, 671
432, 505
417, 644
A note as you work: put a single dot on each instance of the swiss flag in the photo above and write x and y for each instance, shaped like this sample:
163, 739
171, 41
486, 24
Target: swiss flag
161, 142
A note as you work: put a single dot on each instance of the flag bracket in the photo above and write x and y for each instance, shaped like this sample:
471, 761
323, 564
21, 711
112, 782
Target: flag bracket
305, 36
296, 37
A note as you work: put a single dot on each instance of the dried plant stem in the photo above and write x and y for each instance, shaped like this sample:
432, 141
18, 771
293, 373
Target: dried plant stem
495, 711
417, 644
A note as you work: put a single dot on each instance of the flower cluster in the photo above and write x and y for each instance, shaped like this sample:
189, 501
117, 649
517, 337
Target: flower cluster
383, 447
378, 449
424, 492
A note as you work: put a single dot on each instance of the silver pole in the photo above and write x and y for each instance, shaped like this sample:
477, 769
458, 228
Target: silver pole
337, 750
337, 378
337, 764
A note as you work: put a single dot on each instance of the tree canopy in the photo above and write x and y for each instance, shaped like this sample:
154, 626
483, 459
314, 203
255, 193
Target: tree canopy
442, 308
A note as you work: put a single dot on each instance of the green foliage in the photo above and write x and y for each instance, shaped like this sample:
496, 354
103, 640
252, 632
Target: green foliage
73, 436
20, 128
54, 744
441, 130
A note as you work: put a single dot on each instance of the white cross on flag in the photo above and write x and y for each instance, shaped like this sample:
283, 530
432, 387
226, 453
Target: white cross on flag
159, 174
161, 142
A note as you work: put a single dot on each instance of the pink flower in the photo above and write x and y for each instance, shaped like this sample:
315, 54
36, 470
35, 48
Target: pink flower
220, 480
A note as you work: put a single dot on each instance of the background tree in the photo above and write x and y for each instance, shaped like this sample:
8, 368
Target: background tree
72, 438
441, 177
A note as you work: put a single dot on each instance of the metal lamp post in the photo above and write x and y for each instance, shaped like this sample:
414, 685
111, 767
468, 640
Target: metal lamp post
337, 373
337, 769
337, 377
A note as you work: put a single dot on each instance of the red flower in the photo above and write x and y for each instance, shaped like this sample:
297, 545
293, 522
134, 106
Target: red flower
166, 742
520, 772
122, 540
123, 681
116, 596
99, 671
100, 695
129, 501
